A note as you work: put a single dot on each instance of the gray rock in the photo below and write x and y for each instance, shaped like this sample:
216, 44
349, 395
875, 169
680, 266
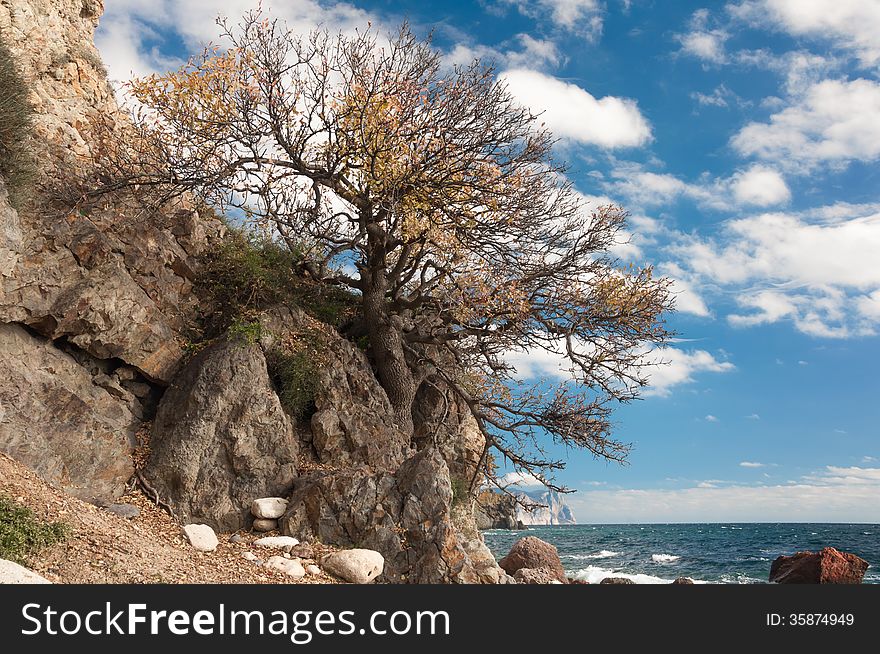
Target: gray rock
617, 581
536, 576
313, 570
221, 438
261, 524
357, 566
405, 516
55, 420
277, 542
201, 537
290, 567
127, 511
235, 538
12, 573
270, 508
683, 581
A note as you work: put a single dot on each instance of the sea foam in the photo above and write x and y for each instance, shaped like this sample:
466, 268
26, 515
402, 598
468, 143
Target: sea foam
664, 558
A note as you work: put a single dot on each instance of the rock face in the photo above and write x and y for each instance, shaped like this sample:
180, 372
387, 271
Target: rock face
535, 554
828, 566
221, 438
405, 516
496, 511
55, 419
357, 566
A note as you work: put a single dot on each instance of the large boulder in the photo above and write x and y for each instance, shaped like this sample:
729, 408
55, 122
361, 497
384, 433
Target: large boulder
12, 573
221, 438
350, 425
536, 554
357, 566
57, 419
828, 566
404, 515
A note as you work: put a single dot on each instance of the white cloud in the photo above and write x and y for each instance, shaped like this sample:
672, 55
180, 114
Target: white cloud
753, 416
675, 367
833, 495
573, 114
711, 418
526, 52
701, 41
520, 480
834, 122
822, 276
721, 96
583, 17
752, 464
760, 186
851, 25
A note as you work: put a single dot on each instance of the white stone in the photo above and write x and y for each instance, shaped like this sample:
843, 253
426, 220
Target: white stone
12, 573
356, 566
313, 570
278, 542
249, 556
290, 567
269, 508
264, 524
201, 537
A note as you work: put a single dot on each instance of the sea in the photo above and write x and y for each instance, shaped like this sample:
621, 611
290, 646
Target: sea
715, 553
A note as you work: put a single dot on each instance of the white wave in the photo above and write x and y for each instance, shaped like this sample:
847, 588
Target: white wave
740, 578
594, 574
664, 558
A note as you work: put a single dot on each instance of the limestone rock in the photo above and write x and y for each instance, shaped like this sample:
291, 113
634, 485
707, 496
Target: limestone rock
534, 553
201, 537
270, 508
405, 516
313, 570
357, 566
221, 438
290, 567
828, 566
12, 573
278, 542
263, 524
55, 420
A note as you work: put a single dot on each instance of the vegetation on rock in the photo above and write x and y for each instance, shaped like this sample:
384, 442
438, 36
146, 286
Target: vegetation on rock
22, 534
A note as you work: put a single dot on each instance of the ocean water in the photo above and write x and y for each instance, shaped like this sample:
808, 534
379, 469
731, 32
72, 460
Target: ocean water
711, 553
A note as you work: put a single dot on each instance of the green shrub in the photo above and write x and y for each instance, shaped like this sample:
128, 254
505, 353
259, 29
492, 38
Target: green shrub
460, 490
248, 331
23, 534
250, 272
294, 376
17, 163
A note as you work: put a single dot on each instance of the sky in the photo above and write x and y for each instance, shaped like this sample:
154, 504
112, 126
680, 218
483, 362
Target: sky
743, 138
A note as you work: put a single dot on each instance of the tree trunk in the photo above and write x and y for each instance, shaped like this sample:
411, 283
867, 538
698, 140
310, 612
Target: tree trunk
387, 343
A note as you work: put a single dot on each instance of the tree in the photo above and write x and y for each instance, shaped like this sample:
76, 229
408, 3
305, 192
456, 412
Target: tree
434, 196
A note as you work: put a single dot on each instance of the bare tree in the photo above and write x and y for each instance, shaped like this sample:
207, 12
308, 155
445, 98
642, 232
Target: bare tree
434, 196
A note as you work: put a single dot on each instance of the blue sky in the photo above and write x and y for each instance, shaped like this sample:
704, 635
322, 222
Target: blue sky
743, 137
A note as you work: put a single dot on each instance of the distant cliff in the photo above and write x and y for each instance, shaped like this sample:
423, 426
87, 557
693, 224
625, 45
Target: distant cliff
553, 509
497, 510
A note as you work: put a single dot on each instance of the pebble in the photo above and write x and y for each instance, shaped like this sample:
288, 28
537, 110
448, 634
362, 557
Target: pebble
278, 542
235, 538
201, 537
269, 508
249, 556
128, 511
313, 570
290, 567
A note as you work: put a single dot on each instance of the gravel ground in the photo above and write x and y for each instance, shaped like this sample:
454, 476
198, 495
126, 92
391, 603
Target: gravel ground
151, 548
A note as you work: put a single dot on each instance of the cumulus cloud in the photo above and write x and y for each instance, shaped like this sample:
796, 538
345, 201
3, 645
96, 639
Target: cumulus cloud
674, 367
583, 17
850, 25
574, 114
760, 186
835, 122
703, 42
832, 495
524, 52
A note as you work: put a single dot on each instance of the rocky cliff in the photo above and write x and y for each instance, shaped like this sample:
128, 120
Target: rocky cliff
98, 310
545, 507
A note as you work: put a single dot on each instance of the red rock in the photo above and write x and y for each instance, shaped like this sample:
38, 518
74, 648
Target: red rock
828, 566
531, 552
